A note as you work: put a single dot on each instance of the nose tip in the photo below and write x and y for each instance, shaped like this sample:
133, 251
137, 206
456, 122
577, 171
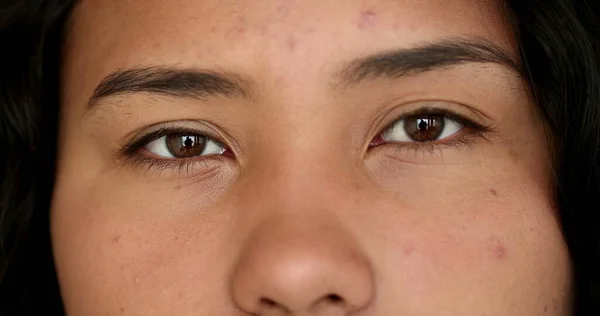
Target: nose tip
285, 270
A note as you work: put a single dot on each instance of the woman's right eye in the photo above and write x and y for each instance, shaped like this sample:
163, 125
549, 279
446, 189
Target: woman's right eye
184, 145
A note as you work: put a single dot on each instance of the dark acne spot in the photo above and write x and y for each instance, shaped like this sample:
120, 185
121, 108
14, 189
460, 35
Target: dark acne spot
116, 238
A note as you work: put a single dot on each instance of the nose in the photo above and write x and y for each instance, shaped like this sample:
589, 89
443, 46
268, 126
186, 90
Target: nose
299, 267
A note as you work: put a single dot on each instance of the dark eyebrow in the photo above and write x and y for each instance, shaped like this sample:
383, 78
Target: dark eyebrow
428, 57
200, 84
186, 83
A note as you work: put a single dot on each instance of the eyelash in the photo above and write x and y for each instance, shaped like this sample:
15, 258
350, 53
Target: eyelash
131, 151
475, 130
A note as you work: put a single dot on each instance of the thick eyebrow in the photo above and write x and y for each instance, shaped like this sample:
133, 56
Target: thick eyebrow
183, 83
428, 57
200, 84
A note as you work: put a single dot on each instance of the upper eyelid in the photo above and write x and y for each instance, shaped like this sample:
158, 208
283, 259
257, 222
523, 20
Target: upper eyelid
436, 110
406, 108
188, 126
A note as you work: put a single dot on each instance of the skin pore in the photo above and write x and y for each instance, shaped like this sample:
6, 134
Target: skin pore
300, 190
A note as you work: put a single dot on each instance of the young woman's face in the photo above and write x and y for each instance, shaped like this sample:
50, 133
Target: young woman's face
289, 157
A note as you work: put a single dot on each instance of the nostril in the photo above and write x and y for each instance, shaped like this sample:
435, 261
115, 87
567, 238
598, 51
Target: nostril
267, 302
334, 299
326, 302
270, 304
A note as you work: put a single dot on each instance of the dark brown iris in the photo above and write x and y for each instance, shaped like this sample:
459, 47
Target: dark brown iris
424, 128
186, 146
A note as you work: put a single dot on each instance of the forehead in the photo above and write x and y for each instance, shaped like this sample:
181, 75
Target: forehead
105, 35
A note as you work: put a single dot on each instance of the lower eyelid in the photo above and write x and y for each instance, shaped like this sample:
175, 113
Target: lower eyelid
204, 166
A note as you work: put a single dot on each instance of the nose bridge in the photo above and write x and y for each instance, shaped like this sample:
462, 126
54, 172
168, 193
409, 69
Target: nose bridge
303, 145
298, 170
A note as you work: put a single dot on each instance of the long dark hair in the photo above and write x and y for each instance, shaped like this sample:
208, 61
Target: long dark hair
560, 50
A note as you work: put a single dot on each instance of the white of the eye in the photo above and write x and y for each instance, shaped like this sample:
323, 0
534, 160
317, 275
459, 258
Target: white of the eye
451, 127
160, 148
396, 132
212, 148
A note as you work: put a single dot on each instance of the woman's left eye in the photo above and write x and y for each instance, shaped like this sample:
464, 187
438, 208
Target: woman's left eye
184, 145
421, 128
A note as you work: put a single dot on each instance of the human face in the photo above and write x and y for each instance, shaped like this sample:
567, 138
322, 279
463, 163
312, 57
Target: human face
287, 157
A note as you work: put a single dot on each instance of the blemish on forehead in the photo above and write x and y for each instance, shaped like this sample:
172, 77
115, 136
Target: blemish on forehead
408, 249
498, 249
367, 19
494, 192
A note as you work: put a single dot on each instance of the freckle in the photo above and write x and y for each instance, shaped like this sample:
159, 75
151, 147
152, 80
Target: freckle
213, 29
291, 43
241, 30
494, 192
514, 155
408, 250
116, 238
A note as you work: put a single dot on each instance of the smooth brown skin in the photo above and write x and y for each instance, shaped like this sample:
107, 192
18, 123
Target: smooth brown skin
305, 209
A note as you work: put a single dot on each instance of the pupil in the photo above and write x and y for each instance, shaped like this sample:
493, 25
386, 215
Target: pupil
188, 142
423, 125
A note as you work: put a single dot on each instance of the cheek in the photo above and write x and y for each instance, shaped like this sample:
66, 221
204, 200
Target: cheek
444, 248
134, 253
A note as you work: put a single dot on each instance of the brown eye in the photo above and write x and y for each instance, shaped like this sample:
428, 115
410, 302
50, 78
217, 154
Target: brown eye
181, 146
422, 128
185, 146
